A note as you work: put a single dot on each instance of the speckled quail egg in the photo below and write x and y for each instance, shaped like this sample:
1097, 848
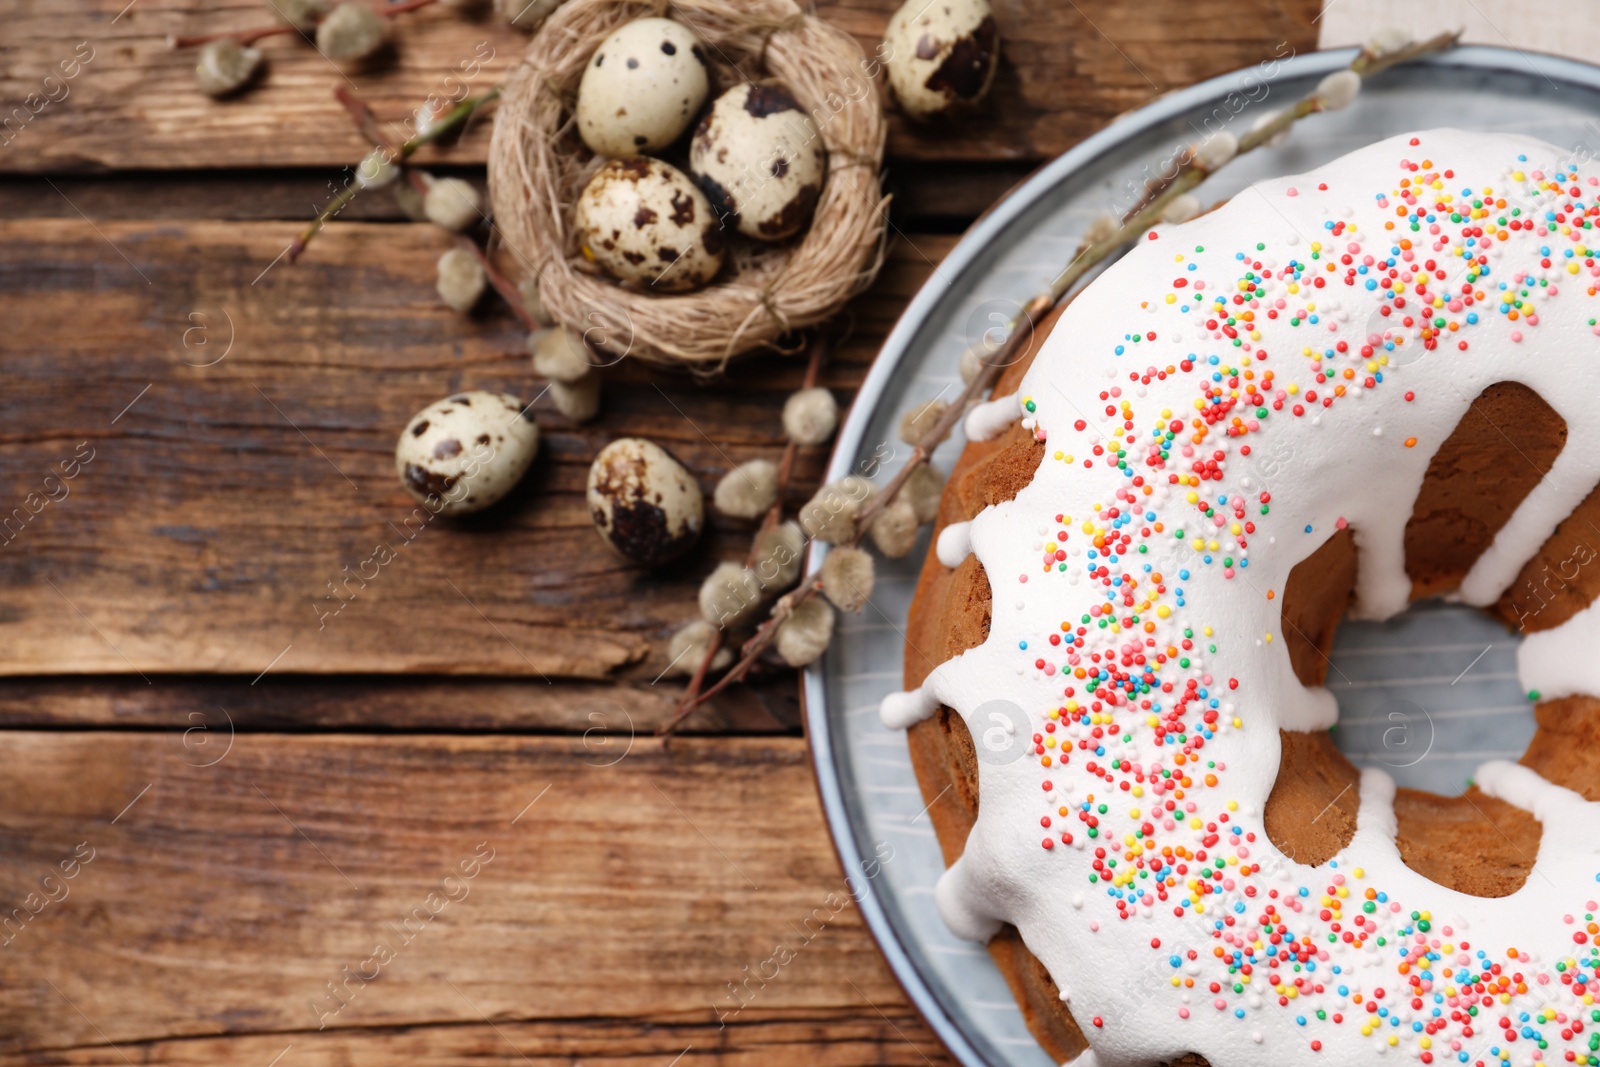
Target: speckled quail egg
645, 221
463, 453
941, 56
642, 88
760, 161
643, 502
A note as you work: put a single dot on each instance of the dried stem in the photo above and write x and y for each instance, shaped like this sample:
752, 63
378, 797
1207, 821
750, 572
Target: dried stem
364, 117
502, 284
1142, 216
691, 695
369, 126
1365, 63
326, 215
450, 121
242, 36
251, 36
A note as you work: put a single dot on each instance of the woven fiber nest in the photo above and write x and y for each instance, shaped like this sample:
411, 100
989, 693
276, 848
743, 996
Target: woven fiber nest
538, 165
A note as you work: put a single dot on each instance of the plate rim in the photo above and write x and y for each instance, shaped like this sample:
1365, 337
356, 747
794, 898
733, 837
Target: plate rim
825, 755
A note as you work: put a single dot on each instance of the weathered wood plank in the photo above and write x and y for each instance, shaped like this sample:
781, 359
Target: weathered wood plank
214, 707
134, 104
507, 878
214, 505
947, 196
896, 1038
238, 195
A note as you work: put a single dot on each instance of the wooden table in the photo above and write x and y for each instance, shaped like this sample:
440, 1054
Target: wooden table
434, 827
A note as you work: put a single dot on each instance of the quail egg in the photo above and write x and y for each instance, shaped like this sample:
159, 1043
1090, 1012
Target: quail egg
463, 453
941, 56
643, 502
642, 88
760, 161
644, 221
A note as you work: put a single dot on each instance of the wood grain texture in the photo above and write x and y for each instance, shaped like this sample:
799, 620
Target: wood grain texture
215, 705
242, 878
1064, 74
945, 196
510, 879
214, 505
889, 1037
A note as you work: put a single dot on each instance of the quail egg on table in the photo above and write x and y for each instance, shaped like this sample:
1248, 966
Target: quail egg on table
465, 452
941, 56
645, 221
643, 502
760, 161
642, 88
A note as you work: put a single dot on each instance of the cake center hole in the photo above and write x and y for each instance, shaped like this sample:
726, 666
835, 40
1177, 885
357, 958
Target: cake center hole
1429, 695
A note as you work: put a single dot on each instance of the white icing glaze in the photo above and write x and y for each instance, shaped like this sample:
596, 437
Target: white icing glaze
954, 545
1574, 473
1144, 885
1525, 788
957, 901
990, 419
899, 711
1560, 662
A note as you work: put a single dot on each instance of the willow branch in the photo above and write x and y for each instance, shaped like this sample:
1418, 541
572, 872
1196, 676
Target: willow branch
367, 122
251, 36
691, 695
1366, 63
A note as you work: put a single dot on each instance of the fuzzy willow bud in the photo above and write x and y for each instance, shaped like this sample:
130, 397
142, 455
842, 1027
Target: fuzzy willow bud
748, 490
779, 554
225, 65
831, 515
810, 416
1216, 150
688, 648
805, 634
1338, 90
1182, 208
453, 204
894, 529
920, 421
351, 31
376, 170
461, 279
579, 400
560, 355
847, 576
729, 595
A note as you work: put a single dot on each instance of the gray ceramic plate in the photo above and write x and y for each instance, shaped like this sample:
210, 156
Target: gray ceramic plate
1430, 729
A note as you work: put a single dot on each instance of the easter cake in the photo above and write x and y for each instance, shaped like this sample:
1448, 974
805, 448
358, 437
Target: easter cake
1339, 392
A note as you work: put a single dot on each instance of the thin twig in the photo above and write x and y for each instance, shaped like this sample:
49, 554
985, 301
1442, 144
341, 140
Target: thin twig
367, 122
1365, 63
502, 284
251, 36
364, 117
1144, 215
450, 120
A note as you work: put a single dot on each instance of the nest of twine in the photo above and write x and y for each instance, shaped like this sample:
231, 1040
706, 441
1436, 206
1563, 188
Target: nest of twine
538, 165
